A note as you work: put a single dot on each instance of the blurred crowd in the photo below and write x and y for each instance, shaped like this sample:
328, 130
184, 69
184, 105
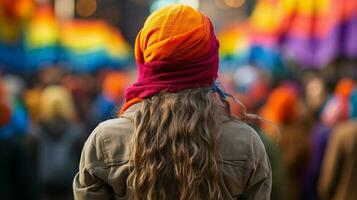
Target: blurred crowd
307, 124
44, 122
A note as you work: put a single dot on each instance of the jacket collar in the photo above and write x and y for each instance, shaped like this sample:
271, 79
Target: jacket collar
131, 111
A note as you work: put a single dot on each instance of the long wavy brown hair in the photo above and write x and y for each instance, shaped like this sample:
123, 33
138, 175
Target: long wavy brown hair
174, 146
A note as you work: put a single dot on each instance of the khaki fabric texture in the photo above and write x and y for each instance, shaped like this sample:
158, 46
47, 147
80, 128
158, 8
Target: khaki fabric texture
104, 164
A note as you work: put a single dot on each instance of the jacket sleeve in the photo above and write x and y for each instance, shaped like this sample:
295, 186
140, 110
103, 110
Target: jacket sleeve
91, 180
259, 184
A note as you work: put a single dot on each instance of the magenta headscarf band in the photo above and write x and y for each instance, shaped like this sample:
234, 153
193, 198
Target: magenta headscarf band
156, 76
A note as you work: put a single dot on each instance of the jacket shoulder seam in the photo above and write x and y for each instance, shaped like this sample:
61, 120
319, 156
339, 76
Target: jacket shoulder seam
108, 162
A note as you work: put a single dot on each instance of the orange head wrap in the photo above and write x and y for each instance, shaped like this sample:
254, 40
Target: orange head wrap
114, 85
175, 50
174, 33
345, 87
281, 105
281, 108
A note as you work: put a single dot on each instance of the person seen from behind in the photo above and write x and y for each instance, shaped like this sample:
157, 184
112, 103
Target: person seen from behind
175, 137
56, 143
17, 181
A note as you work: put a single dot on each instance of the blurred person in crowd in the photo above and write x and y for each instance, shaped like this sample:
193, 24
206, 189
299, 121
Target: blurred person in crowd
32, 98
286, 109
51, 75
112, 94
5, 113
338, 178
48, 75
175, 137
19, 124
56, 143
335, 111
338, 104
17, 181
315, 98
251, 85
84, 89
315, 94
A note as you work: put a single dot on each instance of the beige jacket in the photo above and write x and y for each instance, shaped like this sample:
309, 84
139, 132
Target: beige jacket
104, 162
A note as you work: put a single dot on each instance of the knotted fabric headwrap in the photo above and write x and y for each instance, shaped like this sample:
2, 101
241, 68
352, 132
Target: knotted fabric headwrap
175, 50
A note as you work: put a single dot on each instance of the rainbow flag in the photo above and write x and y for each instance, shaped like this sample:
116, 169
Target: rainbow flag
237, 50
313, 32
13, 16
81, 45
234, 42
88, 45
41, 39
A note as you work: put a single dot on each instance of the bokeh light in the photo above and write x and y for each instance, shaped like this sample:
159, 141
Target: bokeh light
161, 3
234, 3
86, 8
65, 9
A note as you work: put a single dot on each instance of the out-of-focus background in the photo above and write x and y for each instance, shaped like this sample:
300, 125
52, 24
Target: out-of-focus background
64, 65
